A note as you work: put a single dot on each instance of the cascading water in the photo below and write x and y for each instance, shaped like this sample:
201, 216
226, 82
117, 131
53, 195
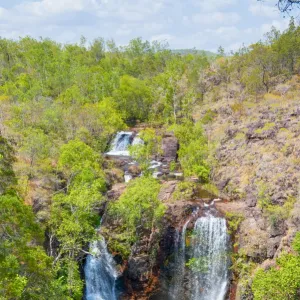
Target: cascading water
176, 290
121, 143
208, 278
100, 273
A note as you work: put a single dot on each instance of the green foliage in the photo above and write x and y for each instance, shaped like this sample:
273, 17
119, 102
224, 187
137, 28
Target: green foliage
234, 221
296, 243
266, 127
73, 211
242, 269
211, 188
278, 283
7, 176
143, 153
36, 146
184, 191
25, 269
193, 152
133, 98
73, 214
208, 117
199, 264
172, 166
138, 207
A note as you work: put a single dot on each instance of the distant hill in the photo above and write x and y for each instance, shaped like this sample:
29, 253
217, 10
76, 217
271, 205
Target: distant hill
194, 51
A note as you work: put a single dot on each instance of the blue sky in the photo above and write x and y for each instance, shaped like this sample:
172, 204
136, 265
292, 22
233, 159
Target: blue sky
203, 24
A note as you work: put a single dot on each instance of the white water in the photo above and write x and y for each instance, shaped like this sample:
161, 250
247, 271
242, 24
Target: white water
100, 273
127, 177
209, 279
176, 290
121, 143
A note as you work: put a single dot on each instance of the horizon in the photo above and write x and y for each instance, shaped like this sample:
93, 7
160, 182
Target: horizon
195, 25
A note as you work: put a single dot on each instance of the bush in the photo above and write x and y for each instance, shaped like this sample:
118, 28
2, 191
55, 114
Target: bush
184, 191
281, 282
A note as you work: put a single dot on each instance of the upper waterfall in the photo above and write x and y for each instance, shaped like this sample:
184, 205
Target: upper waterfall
209, 275
122, 141
100, 273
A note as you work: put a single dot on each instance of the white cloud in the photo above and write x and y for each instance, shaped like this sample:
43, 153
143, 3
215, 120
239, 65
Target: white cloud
50, 7
216, 18
262, 10
213, 5
162, 37
282, 25
204, 24
226, 34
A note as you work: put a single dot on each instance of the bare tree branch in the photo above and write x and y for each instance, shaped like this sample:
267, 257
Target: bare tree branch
286, 5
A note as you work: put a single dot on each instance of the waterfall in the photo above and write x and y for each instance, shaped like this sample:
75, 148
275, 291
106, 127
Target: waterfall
100, 273
121, 143
208, 277
176, 290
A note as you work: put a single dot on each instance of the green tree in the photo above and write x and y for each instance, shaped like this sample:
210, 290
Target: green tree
133, 98
139, 207
36, 146
193, 151
73, 211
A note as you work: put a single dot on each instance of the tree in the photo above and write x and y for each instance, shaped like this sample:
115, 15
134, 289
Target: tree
36, 146
193, 151
286, 5
133, 98
139, 206
99, 122
73, 210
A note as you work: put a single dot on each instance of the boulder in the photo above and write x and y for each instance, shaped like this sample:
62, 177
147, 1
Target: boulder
169, 147
138, 269
272, 246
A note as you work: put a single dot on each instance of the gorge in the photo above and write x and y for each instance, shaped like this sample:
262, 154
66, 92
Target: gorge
200, 260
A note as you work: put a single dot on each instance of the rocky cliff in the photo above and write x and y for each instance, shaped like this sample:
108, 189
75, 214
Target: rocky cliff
256, 166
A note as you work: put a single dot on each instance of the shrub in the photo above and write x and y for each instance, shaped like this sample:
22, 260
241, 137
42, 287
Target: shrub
281, 282
194, 151
184, 191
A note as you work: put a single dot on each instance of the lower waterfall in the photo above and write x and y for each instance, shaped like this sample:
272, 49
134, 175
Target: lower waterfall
100, 273
208, 277
176, 290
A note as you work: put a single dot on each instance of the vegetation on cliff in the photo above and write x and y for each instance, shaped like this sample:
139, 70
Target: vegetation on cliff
281, 281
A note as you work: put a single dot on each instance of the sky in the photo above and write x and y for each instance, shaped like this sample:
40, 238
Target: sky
184, 24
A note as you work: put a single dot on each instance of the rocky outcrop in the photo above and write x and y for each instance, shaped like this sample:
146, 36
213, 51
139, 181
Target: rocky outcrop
169, 147
147, 267
257, 168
